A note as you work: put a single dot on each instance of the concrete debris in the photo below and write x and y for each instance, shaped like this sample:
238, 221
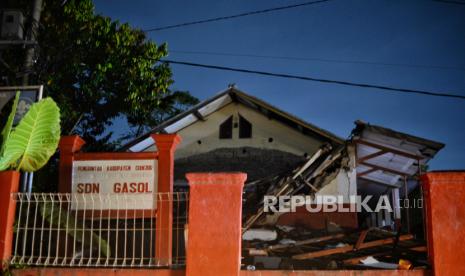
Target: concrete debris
340, 244
369, 260
372, 262
289, 248
285, 228
260, 234
287, 241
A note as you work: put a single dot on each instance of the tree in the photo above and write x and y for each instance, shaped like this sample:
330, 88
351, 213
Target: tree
98, 71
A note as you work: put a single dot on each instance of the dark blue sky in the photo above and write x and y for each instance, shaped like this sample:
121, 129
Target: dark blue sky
426, 33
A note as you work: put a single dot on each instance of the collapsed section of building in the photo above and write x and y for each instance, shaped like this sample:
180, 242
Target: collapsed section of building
288, 158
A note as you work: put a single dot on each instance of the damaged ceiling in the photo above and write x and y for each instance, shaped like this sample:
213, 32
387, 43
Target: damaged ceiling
387, 157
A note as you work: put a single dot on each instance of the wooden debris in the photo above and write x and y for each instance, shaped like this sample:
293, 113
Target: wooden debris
288, 185
347, 248
257, 252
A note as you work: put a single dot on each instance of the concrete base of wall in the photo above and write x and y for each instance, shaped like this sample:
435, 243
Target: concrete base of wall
96, 272
167, 272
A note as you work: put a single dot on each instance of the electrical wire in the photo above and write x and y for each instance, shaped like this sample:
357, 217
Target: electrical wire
319, 60
233, 16
450, 2
346, 83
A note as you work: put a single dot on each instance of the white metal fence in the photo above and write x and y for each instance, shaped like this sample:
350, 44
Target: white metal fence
67, 230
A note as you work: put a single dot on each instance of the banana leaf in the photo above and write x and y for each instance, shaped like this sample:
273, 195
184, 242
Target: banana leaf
35, 139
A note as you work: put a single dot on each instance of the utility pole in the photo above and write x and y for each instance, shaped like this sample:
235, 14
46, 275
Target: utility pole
28, 59
27, 66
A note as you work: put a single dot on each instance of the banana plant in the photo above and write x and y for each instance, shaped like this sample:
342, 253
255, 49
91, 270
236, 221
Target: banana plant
28, 146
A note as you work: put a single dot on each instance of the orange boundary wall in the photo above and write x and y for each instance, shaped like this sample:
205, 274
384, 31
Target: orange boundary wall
9, 182
166, 144
167, 272
444, 194
214, 229
215, 209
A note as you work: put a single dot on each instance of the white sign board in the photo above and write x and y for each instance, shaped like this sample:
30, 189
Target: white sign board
114, 184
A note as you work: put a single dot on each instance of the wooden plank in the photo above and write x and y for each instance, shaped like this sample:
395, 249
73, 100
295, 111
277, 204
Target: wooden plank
371, 156
311, 160
395, 151
323, 253
385, 241
309, 184
257, 252
366, 172
347, 248
361, 239
286, 188
421, 248
356, 260
385, 169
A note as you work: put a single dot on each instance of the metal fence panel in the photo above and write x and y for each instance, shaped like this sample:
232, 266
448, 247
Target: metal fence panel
51, 231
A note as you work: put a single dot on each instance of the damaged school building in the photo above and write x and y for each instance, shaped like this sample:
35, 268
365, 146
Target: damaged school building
284, 156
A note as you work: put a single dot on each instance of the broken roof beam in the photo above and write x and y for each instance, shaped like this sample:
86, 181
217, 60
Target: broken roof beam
318, 171
385, 169
348, 248
356, 260
286, 188
312, 160
371, 156
366, 172
389, 149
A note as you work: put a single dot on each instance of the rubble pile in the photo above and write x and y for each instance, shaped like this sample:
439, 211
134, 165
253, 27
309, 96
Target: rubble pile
270, 245
300, 248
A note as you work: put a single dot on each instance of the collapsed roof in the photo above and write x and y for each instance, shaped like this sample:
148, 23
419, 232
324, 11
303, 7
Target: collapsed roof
388, 157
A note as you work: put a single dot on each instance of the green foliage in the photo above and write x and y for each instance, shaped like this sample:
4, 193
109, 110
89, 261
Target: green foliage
31, 144
98, 71
9, 123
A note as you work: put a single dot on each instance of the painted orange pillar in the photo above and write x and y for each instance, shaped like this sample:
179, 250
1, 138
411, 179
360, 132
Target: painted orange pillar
9, 183
214, 229
68, 146
444, 194
166, 145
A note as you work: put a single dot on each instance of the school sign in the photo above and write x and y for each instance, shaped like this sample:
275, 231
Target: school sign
104, 184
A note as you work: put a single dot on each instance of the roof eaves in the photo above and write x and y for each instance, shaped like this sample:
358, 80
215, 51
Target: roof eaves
408, 137
159, 128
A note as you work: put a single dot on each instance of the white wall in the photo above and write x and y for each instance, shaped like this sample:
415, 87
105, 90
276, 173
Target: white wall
284, 138
207, 132
344, 184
